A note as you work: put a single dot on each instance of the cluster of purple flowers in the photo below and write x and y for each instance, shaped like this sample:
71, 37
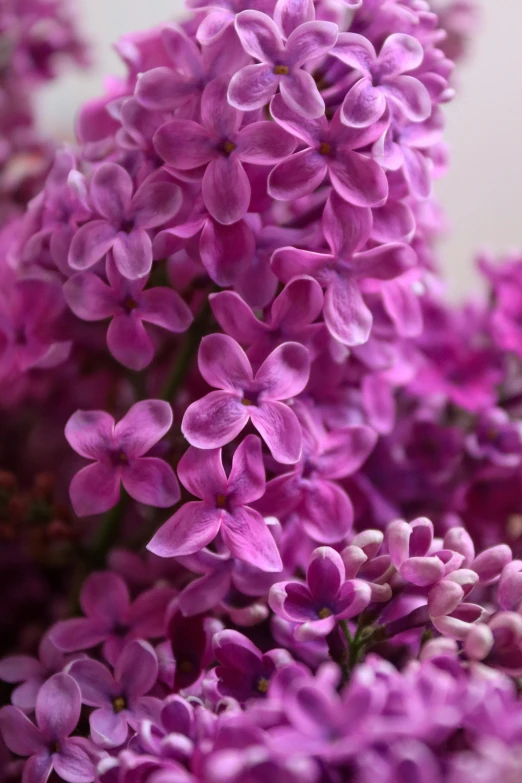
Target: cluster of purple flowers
279, 529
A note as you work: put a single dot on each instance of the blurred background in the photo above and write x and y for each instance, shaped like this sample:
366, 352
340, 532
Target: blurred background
482, 193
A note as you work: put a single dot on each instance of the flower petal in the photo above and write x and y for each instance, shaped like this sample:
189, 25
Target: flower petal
111, 192
133, 253
358, 179
264, 143
299, 91
89, 297
162, 89
151, 481
346, 315
165, 307
297, 175
136, 669
356, 51
91, 242
364, 104
285, 372
236, 318
190, 529
183, 144
410, 95
280, 429
90, 433
310, 41
246, 534
252, 87
223, 363
155, 203
129, 342
145, 423
217, 115
78, 634
201, 472
325, 574
95, 489
226, 189
399, 53
108, 728
95, 681
259, 35
19, 733
76, 762
58, 707
288, 262
298, 304
246, 481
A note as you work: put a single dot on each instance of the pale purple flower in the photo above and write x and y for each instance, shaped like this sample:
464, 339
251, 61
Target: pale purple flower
347, 230
121, 700
49, 745
221, 15
291, 317
220, 416
410, 547
111, 618
223, 507
222, 146
128, 306
244, 671
509, 591
326, 597
124, 217
119, 452
382, 78
496, 438
280, 63
331, 149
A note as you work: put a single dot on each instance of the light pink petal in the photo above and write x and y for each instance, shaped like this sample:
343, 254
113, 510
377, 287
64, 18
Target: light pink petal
314, 629
183, 144
58, 707
19, 733
108, 728
364, 104
165, 307
89, 297
385, 262
410, 95
354, 597
259, 36
399, 53
288, 262
346, 315
403, 306
143, 426
136, 669
252, 87
285, 372
155, 203
356, 51
151, 481
246, 481
90, 433
297, 175
298, 304
223, 363
236, 318
393, 222
192, 528
247, 536
226, 189
422, 571
94, 489
346, 228
162, 89
202, 473
311, 132
310, 41
300, 93
75, 762
215, 420
214, 25
37, 768
264, 143
280, 429
217, 115
226, 250
133, 253
91, 243
358, 179
111, 192
129, 342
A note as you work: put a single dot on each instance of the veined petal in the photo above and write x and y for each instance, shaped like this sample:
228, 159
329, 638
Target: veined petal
264, 143
192, 528
299, 91
252, 87
259, 36
223, 363
247, 536
95, 489
143, 426
226, 189
151, 481
297, 175
280, 429
184, 144
285, 372
215, 420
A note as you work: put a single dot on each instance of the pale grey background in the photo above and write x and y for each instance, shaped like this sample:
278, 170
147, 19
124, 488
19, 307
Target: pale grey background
483, 191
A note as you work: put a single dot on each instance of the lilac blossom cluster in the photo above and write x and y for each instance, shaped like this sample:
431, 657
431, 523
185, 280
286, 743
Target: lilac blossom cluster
279, 526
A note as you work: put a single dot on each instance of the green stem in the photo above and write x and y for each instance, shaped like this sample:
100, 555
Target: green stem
186, 353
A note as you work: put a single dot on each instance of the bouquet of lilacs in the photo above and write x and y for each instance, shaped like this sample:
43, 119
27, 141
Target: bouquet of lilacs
261, 487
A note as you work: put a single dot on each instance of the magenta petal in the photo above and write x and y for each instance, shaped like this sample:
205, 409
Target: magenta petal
105, 596
403, 306
226, 250
280, 429
78, 634
285, 372
90, 433
247, 482
358, 179
410, 95
399, 53
364, 104
155, 203
226, 189
19, 733
111, 191
288, 15
96, 683
327, 512
95, 489
299, 92
314, 629
136, 669
202, 473
264, 143
58, 707
298, 304
129, 342
108, 728
312, 132
325, 574
259, 35
298, 175
345, 450
162, 89
385, 262
310, 41
417, 172
354, 597
355, 51
214, 420
144, 424
288, 262
38, 768
223, 363
133, 253
91, 243
202, 595
183, 144
247, 536
422, 571
75, 762
236, 651
346, 315
151, 481
252, 87
190, 529
236, 318
89, 297
217, 115
17, 668
165, 307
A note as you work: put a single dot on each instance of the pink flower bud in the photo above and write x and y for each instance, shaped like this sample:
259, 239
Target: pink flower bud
479, 641
490, 562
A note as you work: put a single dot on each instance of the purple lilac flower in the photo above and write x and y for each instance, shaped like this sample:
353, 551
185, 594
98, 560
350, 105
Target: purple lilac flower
220, 416
48, 744
128, 306
118, 451
280, 63
223, 507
